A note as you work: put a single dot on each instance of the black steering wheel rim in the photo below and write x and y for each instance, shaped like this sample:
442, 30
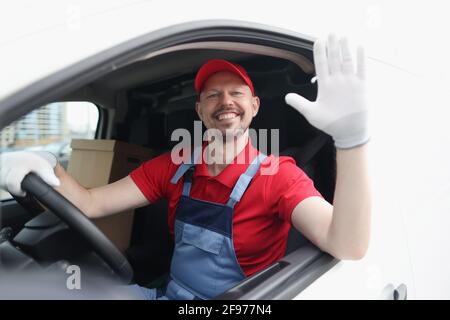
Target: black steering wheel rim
76, 220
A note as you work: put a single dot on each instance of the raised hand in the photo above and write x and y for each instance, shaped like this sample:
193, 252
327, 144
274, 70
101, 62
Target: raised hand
341, 109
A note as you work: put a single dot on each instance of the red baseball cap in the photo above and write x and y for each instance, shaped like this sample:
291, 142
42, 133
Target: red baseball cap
218, 65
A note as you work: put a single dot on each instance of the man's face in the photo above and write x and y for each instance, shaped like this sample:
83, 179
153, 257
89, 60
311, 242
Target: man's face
226, 103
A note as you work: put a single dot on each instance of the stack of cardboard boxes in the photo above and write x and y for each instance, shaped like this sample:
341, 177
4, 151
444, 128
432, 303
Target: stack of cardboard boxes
95, 163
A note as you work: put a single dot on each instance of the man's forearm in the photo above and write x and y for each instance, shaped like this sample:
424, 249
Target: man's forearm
119, 196
349, 231
74, 192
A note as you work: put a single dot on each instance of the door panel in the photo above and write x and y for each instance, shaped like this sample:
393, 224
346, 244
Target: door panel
387, 264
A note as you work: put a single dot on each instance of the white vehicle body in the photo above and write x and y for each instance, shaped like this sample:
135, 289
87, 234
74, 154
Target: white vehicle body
410, 145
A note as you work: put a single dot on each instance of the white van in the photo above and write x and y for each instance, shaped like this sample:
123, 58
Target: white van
131, 65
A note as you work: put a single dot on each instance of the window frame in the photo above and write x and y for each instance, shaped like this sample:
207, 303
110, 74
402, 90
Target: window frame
286, 278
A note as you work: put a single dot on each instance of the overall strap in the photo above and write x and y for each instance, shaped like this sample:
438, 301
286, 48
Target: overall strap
183, 168
244, 180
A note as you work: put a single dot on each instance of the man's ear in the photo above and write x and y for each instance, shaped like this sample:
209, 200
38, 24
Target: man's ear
197, 109
255, 105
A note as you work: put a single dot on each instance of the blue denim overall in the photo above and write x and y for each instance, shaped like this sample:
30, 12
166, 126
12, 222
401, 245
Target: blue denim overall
204, 262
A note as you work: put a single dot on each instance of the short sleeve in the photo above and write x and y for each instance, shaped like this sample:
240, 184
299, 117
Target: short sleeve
152, 177
288, 187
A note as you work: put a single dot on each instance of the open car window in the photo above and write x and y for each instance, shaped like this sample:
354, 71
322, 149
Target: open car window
50, 128
146, 106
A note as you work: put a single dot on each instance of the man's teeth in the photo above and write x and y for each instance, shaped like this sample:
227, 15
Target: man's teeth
227, 116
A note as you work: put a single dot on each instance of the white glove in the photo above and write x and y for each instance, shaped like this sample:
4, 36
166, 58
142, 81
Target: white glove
341, 109
14, 166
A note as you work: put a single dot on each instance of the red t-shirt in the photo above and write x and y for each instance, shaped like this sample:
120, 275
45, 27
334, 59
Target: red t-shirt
261, 219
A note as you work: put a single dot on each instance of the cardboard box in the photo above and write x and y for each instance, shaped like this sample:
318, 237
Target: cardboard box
95, 163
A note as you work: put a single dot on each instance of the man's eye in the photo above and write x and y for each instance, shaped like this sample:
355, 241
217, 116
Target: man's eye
236, 93
212, 95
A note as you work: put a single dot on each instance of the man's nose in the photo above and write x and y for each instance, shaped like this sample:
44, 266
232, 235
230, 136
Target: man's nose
226, 99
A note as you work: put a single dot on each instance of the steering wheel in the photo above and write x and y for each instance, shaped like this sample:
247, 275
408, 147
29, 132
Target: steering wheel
76, 220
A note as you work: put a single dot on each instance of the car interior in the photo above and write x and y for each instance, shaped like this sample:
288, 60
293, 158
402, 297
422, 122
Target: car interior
142, 103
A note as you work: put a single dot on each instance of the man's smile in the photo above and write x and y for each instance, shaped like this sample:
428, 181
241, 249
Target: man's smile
226, 115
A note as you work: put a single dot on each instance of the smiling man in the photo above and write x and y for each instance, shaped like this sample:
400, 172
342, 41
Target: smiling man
230, 219
226, 105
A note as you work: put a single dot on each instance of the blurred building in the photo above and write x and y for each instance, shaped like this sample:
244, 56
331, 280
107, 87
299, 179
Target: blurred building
42, 126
